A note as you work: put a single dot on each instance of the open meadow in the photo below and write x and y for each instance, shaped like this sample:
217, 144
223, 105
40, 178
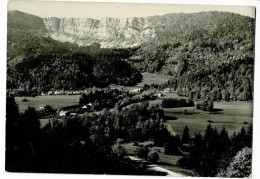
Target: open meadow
148, 78
231, 115
55, 101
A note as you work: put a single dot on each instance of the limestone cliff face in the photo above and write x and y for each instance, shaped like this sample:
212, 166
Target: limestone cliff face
109, 32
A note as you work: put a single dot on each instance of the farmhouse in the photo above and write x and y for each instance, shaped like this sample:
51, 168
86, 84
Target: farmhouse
160, 95
166, 90
136, 90
73, 114
50, 92
84, 107
63, 113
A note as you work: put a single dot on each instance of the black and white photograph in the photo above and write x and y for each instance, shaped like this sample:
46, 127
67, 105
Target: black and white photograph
136, 89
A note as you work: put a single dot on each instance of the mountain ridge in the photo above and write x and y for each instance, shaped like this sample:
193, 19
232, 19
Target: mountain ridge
109, 32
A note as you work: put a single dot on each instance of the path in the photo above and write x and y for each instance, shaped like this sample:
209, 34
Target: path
155, 167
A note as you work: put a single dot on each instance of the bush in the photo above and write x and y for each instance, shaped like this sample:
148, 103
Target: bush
175, 103
147, 146
153, 156
142, 152
25, 100
135, 143
205, 105
185, 162
119, 150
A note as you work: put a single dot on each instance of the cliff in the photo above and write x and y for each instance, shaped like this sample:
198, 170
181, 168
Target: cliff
109, 32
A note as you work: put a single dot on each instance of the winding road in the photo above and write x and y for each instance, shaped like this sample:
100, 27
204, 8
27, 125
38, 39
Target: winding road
155, 167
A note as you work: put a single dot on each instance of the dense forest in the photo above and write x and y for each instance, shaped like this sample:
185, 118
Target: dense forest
212, 54
40, 64
192, 42
230, 81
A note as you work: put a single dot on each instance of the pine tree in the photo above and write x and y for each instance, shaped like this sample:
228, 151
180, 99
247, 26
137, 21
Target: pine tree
186, 135
12, 131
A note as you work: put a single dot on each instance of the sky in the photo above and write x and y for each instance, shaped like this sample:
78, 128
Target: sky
117, 10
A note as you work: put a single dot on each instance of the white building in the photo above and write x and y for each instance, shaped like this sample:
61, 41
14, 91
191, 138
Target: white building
63, 113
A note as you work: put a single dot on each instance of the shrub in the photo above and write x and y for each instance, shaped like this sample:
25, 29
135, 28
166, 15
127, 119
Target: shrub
205, 105
185, 162
153, 156
148, 146
142, 152
25, 100
175, 103
119, 150
135, 143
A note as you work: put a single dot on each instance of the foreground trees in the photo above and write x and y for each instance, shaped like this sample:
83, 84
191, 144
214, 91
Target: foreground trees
87, 144
78, 144
240, 165
213, 154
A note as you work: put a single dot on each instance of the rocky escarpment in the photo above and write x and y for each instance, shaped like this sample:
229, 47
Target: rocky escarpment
109, 32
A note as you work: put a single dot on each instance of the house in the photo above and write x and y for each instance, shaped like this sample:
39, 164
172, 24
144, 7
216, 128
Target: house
50, 93
166, 90
41, 108
136, 90
43, 94
63, 113
84, 107
70, 93
160, 95
58, 92
73, 114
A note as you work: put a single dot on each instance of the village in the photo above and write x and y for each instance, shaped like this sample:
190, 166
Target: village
79, 110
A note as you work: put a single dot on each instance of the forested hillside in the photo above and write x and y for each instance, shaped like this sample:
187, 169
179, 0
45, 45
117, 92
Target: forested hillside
207, 52
191, 42
41, 63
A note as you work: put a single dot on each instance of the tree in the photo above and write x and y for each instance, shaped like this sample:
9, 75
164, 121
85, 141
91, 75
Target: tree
240, 166
185, 135
31, 120
142, 152
48, 109
12, 131
119, 151
205, 105
153, 156
172, 145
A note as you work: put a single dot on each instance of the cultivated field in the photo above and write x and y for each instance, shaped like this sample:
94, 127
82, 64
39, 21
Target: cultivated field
232, 115
55, 101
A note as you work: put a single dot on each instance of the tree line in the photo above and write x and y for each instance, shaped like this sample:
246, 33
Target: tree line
218, 153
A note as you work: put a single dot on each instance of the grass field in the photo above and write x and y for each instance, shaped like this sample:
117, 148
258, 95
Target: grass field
152, 78
232, 115
54, 101
148, 78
